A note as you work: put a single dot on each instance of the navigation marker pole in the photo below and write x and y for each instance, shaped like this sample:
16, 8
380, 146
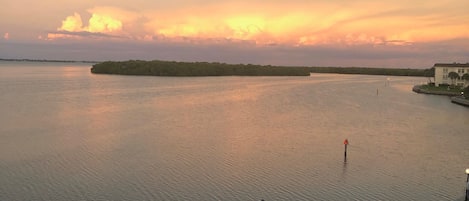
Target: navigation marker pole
345, 152
467, 185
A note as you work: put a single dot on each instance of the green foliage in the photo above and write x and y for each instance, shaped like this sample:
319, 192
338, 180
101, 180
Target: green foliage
466, 92
453, 76
444, 85
465, 76
442, 88
375, 71
172, 68
429, 72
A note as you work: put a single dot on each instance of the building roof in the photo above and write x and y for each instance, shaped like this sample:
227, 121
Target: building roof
451, 65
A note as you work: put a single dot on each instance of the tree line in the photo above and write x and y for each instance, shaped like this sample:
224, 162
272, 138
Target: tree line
376, 71
173, 68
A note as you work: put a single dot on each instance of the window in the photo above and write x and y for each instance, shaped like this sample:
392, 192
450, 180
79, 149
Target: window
445, 70
445, 77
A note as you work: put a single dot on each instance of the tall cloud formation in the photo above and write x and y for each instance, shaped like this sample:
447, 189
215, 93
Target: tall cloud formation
103, 20
72, 23
296, 32
323, 23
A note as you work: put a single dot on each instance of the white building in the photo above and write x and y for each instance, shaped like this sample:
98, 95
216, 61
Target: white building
442, 71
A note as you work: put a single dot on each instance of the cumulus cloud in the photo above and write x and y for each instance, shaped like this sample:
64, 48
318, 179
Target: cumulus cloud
295, 32
313, 23
72, 23
103, 21
299, 23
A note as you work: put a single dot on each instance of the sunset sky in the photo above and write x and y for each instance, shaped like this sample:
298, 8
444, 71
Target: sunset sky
386, 33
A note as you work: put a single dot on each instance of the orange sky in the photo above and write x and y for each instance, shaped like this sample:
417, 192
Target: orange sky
363, 22
293, 23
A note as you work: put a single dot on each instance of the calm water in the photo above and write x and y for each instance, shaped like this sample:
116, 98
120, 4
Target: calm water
66, 134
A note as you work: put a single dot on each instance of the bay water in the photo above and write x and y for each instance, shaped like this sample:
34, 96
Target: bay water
67, 134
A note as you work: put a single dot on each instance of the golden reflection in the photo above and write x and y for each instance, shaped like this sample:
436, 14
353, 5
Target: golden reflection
84, 119
239, 93
70, 71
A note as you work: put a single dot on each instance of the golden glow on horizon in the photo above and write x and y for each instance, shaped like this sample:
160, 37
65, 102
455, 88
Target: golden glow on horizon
320, 24
246, 27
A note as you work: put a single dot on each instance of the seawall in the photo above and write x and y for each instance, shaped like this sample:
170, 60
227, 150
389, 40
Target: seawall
418, 89
456, 97
460, 100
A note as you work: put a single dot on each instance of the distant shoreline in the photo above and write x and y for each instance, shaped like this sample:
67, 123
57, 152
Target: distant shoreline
312, 69
174, 68
189, 69
47, 60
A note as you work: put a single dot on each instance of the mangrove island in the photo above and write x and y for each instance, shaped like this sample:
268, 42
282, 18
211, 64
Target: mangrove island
174, 68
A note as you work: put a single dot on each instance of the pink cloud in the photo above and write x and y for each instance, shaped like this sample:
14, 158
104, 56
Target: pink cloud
296, 24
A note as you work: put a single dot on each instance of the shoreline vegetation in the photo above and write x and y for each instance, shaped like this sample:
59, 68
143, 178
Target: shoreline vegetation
221, 69
444, 91
173, 68
452, 91
47, 60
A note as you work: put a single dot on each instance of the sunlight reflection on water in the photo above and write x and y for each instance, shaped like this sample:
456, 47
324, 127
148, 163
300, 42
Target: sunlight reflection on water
71, 135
